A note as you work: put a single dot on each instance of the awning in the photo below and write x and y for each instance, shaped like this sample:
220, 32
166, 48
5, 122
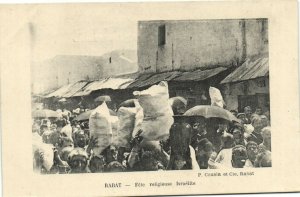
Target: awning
75, 88
61, 91
139, 80
89, 88
199, 75
125, 85
110, 83
113, 83
249, 70
150, 79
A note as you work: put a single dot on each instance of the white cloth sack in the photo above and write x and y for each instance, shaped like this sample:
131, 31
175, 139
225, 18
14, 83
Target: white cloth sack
114, 126
139, 117
100, 127
126, 117
157, 128
155, 100
67, 130
216, 97
48, 155
157, 112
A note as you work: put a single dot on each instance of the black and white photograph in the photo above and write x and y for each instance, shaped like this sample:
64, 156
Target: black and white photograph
150, 98
151, 95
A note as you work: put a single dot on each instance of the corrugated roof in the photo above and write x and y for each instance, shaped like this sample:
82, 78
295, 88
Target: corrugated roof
139, 80
153, 79
59, 92
250, 69
113, 83
109, 83
75, 88
199, 75
89, 88
126, 84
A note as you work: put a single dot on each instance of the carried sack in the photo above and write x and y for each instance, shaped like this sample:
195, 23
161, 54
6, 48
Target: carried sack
157, 112
126, 117
67, 131
100, 127
114, 127
216, 97
139, 117
48, 155
157, 128
155, 100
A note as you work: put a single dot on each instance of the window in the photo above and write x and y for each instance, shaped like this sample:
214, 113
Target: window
161, 35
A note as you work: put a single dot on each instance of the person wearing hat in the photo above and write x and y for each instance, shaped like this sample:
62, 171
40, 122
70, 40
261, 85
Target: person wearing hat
178, 105
239, 156
78, 160
238, 134
252, 151
80, 139
242, 117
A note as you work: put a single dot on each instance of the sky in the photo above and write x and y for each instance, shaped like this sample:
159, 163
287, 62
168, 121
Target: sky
94, 29
72, 31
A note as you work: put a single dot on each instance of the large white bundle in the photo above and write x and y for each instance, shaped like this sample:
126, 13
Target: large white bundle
100, 127
48, 155
36, 144
67, 130
216, 97
36, 141
157, 112
139, 117
157, 128
155, 100
126, 125
114, 126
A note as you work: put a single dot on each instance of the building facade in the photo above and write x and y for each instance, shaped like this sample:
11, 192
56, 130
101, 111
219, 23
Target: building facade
248, 85
186, 45
253, 93
61, 70
118, 62
207, 45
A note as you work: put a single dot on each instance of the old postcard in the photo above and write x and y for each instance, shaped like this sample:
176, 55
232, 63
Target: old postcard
134, 99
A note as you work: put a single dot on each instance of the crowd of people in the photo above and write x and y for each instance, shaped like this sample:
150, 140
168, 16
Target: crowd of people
213, 144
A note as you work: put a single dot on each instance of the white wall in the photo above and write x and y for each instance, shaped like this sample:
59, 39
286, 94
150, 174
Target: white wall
195, 44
